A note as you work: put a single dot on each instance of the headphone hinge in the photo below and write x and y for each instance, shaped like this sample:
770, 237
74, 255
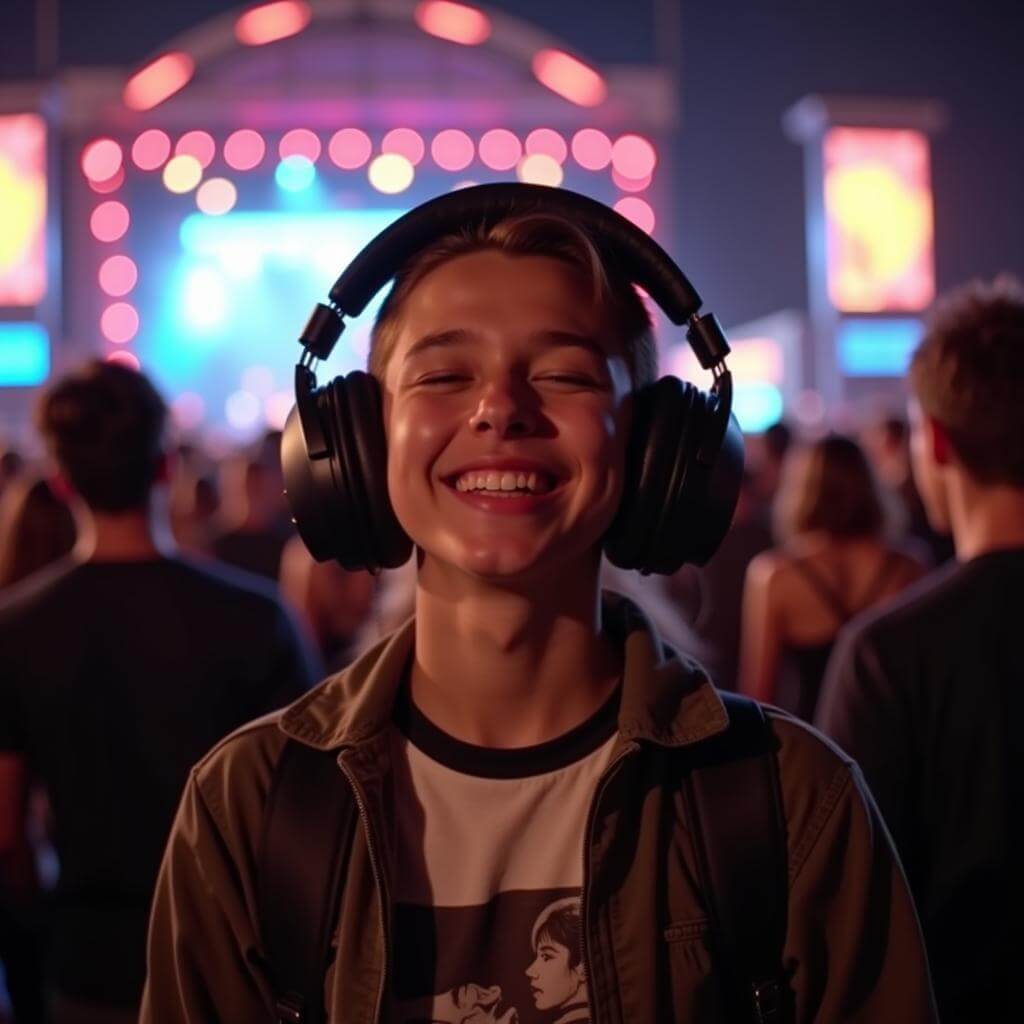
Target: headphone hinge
322, 332
707, 339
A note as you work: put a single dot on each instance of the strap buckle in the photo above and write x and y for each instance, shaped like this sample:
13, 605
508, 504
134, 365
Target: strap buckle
770, 1001
289, 1008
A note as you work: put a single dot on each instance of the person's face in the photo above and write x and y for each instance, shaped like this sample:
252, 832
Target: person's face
552, 981
503, 375
926, 467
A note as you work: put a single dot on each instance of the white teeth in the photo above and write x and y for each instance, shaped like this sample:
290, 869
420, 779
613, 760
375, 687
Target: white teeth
502, 482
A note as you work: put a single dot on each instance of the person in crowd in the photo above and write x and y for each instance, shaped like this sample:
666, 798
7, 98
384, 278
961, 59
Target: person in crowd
255, 534
120, 665
11, 465
519, 704
927, 693
335, 604
766, 457
886, 441
36, 529
710, 597
194, 501
833, 561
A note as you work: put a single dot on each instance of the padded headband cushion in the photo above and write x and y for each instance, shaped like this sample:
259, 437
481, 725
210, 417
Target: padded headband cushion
639, 256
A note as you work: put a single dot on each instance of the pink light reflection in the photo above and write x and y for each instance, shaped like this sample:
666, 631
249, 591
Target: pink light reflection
547, 142
349, 148
118, 275
405, 142
500, 149
300, 142
592, 149
101, 160
244, 149
198, 144
109, 221
452, 149
119, 322
151, 149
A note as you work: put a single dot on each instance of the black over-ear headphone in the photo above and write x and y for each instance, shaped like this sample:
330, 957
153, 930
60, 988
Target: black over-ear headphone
685, 452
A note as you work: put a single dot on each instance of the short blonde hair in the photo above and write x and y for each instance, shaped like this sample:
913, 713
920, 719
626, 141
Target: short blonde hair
530, 234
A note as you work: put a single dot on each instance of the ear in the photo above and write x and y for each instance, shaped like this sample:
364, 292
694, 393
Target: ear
939, 445
61, 487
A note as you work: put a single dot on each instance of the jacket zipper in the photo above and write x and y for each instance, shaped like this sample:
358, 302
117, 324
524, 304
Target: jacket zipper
378, 876
602, 784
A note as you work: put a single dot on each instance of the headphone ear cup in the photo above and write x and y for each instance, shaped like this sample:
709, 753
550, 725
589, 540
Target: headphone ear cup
660, 414
363, 448
678, 505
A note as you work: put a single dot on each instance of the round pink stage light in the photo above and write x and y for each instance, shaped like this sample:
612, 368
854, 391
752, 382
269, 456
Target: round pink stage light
638, 211
300, 142
349, 148
546, 142
104, 188
118, 275
633, 157
452, 149
120, 322
197, 144
151, 149
405, 142
109, 221
592, 149
101, 160
244, 149
630, 184
500, 149
125, 359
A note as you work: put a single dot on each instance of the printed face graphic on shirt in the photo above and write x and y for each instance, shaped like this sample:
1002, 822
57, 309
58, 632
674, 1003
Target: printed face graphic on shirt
556, 974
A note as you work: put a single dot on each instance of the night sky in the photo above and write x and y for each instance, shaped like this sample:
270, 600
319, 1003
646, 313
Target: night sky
740, 187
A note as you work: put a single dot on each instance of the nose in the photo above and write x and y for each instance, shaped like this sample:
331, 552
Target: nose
507, 408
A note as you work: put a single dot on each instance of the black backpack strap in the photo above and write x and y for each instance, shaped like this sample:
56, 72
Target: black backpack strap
735, 802
308, 825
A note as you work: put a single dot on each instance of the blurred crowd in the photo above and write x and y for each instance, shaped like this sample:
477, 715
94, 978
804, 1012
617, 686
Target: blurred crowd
828, 526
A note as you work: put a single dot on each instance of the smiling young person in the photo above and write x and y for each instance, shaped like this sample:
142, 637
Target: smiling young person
517, 745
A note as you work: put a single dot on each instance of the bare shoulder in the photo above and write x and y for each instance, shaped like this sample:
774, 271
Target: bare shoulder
765, 568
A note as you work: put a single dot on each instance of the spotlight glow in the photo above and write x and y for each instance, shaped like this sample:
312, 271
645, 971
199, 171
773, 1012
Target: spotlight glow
500, 149
276, 408
391, 173
270, 22
101, 160
188, 410
119, 322
638, 211
458, 23
158, 81
259, 380
540, 169
197, 144
300, 142
104, 188
123, 358
244, 149
216, 196
243, 410
295, 173
118, 275
547, 142
405, 142
452, 149
349, 148
109, 221
592, 149
182, 174
205, 297
633, 157
569, 78
151, 149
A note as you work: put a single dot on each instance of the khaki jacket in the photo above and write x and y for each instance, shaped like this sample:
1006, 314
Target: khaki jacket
853, 943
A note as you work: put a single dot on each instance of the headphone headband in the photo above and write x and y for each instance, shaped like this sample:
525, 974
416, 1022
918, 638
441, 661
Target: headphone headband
646, 263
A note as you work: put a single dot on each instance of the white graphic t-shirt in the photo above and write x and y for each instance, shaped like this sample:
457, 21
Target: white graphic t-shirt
489, 871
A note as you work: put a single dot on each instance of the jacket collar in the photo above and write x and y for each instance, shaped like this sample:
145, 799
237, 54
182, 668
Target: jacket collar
667, 697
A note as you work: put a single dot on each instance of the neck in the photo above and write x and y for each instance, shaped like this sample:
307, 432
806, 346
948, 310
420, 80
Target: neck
134, 536
986, 518
510, 667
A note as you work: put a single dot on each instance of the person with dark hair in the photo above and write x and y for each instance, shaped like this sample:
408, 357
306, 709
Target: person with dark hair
36, 529
834, 561
557, 979
926, 693
120, 665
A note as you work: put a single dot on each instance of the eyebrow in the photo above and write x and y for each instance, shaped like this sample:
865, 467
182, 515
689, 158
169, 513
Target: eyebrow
459, 336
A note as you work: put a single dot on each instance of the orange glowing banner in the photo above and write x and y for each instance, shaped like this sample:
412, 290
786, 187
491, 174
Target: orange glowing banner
879, 225
22, 209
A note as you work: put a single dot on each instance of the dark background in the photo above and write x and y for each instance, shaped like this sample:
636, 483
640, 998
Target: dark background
741, 64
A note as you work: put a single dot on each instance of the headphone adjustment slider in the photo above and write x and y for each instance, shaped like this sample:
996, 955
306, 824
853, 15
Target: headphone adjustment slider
322, 331
707, 339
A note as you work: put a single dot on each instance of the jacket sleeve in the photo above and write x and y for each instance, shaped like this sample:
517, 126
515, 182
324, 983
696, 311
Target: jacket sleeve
854, 942
203, 957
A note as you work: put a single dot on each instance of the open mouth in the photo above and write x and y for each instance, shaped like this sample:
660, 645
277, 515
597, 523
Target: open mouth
504, 482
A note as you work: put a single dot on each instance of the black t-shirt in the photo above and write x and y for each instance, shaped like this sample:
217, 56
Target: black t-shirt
115, 678
927, 695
